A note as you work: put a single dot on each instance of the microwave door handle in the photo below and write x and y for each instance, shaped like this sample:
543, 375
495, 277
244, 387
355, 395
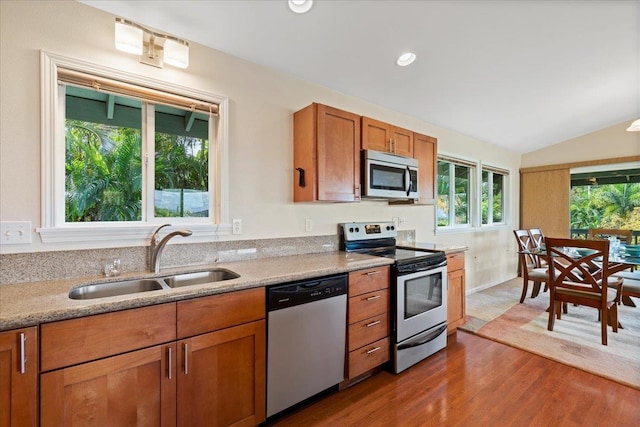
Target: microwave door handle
407, 181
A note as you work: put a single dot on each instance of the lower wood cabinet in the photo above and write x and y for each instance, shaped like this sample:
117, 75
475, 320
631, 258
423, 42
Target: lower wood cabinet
132, 389
19, 377
456, 296
221, 377
368, 318
216, 377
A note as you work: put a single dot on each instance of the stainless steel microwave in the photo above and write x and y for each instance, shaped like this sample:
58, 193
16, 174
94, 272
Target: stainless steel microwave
389, 176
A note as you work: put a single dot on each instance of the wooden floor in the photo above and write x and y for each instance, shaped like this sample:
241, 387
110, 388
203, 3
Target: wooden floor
477, 382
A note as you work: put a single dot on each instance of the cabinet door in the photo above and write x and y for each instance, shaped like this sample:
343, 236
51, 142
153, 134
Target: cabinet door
455, 300
376, 135
338, 155
221, 378
18, 377
132, 389
402, 141
326, 151
425, 150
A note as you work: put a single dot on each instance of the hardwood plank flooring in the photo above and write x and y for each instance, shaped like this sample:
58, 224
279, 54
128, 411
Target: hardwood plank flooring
477, 382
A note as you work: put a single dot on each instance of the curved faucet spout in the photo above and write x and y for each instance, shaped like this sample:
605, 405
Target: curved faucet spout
156, 248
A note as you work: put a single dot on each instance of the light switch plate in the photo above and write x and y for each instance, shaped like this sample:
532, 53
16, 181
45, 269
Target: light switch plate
15, 232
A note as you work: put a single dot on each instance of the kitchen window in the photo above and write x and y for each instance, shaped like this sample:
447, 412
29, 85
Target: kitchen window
470, 194
493, 195
124, 154
455, 185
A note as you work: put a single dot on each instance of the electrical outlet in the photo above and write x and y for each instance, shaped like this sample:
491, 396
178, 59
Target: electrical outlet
15, 232
308, 224
237, 226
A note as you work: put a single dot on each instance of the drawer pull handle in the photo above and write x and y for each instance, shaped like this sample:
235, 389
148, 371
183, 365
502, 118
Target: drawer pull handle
186, 358
372, 273
377, 322
169, 363
23, 353
373, 350
373, 297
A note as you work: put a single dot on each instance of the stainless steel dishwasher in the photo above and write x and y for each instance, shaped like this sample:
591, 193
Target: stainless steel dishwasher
306, 327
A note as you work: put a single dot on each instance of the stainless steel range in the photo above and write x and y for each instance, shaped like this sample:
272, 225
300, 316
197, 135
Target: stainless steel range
419, 290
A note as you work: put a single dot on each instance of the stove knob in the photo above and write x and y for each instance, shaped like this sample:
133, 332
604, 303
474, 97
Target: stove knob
357, 229
351, 230
393, 227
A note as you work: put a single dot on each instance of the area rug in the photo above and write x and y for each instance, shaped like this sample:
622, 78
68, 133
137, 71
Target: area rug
495, 313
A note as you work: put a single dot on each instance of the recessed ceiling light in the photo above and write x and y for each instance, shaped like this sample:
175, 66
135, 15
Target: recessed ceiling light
406, 59
300, 6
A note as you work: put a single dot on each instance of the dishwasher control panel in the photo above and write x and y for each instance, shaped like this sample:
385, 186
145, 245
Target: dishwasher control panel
302, 292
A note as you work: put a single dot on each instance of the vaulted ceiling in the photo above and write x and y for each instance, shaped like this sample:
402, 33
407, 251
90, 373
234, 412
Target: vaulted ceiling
519, 74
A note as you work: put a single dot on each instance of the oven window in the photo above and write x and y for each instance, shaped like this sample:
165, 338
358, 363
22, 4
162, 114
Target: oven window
422, 294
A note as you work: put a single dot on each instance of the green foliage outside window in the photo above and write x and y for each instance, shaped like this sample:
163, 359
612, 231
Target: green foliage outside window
614, 206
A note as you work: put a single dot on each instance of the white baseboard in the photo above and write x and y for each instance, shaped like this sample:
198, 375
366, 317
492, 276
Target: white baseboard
487, 286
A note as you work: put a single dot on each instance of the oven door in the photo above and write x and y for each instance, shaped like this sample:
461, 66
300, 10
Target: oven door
421, 302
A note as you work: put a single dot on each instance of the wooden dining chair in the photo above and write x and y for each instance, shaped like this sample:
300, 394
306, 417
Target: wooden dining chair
529, 267
537, 240
604, 233
579, 268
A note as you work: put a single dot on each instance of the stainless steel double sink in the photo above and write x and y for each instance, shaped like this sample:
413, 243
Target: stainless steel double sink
125, 287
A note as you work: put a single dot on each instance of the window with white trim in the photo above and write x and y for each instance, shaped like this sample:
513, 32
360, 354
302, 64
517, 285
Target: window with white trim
455, 186
123, 154
492, 206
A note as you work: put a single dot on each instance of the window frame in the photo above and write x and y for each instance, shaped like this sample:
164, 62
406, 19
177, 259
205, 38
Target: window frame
505, 192
475, 195
53, 227
471, 196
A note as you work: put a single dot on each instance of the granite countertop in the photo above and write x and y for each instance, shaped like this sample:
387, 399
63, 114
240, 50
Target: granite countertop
433, 247
28, 304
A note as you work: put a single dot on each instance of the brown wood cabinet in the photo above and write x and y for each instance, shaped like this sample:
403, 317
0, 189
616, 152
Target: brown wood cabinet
368, 318
19, 377
381, 136
194, 362
326, 155
425, 150
456, 292
221, 371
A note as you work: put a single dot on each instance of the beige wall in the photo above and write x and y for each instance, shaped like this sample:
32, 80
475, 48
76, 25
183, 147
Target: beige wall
611, 142
260, 135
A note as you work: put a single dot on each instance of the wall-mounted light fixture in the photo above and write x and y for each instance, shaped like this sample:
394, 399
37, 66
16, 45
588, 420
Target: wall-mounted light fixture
154, 48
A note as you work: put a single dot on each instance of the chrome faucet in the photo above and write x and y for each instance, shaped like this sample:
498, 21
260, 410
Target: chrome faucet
156, 248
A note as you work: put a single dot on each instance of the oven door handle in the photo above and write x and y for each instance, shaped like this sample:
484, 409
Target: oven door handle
430, 337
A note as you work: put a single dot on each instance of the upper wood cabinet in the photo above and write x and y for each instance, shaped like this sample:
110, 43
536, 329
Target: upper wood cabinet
326, 155
19, 377
425, 150
381, 136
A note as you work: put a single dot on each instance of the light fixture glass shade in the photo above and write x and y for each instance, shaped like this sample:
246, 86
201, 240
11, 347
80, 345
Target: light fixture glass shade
635, 126
128, 38
406, 59
176, 53
300, 6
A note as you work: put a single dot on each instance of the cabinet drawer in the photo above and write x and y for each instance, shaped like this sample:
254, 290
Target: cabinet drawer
368, 331
455, 261
368, 280
198, 316
368, 305
69, 342
368, 357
